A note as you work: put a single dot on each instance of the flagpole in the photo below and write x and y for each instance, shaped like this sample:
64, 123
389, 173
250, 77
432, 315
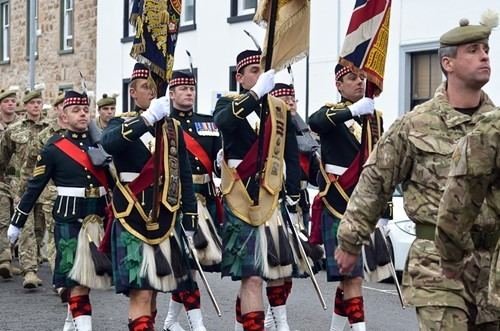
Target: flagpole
265, 106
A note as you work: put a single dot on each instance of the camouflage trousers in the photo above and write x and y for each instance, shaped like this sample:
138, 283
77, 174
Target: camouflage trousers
432, 318
49, 224
31, 239
5, 213
424, 286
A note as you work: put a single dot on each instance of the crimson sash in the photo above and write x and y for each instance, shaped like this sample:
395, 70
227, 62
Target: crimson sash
146, 176
197, 150
83, 159
247, 166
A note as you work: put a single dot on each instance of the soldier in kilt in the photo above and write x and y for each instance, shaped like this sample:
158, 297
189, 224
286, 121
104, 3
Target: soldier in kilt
203, 143
256, 247
276, 317
49, 194
78, 210
148, 253
339, 128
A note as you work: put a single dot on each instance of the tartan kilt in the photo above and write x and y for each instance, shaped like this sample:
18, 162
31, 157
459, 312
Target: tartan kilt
66, 240
329, 228
239, 241
127, 258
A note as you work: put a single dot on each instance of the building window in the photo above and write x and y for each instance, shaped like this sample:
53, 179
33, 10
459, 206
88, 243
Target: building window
127, 101
242, 10
128, 29
233, 84
188, 12
28, 27
425, 76
5, 33
246, 7
65, 87
67, 15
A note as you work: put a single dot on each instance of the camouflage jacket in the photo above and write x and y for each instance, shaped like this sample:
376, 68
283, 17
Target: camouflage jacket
14, 145
415, 151
33, 150
8, 173
473, 179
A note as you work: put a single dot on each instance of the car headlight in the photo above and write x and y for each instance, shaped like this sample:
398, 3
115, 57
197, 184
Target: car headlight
406, 226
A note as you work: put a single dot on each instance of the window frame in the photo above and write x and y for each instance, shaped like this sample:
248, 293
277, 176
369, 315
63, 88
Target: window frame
413, 80
64, 87
4, 38
187, 25
127, 101
63, 49
37, 24
127, 27
237, 15
234, 86
405, 71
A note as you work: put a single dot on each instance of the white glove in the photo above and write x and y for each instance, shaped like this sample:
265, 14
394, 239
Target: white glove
264, 84
220, 157
365, 106
190, 234
158, 109
13, 233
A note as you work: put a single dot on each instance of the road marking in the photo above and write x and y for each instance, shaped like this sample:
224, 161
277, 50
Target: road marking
393, 292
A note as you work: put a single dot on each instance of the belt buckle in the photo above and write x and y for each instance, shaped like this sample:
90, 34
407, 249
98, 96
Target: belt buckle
92, 192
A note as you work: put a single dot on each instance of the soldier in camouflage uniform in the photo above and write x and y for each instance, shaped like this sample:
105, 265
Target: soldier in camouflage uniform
49, 194
13, 149
7, 117
106, 107
471, 191
416, 151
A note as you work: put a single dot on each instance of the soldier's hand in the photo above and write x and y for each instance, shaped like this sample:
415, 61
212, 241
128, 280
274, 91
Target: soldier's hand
264, 84
346, 261
158, 109
365, 106
220, 158
13, 233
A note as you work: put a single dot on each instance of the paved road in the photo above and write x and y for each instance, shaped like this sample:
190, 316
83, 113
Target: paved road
41, 309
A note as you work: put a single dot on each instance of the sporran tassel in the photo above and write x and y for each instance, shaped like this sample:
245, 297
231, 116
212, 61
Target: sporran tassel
272, 254
162, 266
177, 259
286, 254
199, 240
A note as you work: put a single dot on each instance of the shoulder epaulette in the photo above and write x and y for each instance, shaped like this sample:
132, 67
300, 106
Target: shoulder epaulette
55, 137
337, 105
128, 114
232, 95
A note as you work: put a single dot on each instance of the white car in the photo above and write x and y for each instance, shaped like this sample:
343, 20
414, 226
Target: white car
400, 232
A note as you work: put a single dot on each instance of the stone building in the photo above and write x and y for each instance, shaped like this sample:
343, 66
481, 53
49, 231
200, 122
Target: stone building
66, 44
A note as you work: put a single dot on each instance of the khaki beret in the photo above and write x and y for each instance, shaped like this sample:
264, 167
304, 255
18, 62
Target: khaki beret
30, 95
107, 100
59, 99
7, 93
466, 33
